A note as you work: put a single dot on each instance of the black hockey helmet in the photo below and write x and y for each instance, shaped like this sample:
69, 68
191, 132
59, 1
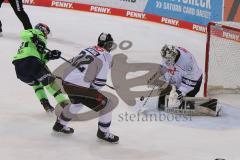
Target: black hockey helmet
43, 28
105, 41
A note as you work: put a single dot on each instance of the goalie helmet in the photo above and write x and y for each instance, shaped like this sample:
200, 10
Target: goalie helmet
105, 41
43, 28
169, 54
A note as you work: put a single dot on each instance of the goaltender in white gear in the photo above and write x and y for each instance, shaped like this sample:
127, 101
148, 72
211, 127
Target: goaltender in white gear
182, 69
183, 75
83, 79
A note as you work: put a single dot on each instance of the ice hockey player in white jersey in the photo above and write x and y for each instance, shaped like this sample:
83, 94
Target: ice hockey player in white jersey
82, 83
182, 71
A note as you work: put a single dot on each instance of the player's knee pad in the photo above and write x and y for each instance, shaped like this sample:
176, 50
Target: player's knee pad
102, 102
47, 79
28, 80
109, 107
31, 83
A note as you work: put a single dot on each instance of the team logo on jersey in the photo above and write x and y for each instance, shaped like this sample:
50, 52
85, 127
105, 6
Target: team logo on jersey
171, 70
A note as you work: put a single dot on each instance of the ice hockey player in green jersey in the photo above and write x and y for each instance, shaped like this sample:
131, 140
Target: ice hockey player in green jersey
30, 65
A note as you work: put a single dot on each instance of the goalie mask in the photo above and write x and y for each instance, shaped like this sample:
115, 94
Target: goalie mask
169, 54
105, 41
43, 28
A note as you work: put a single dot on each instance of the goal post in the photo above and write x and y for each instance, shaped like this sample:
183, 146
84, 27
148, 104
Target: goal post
222, 60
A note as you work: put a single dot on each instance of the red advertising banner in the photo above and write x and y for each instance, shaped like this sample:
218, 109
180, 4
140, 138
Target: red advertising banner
118, 12
232, 10
226, 33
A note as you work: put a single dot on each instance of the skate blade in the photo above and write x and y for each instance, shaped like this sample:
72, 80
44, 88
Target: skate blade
106, 142
61, 134
49, 113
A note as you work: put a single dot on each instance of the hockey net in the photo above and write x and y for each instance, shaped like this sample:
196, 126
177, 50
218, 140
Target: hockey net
222, 65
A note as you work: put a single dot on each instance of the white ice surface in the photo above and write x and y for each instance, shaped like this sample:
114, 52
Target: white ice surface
25, 130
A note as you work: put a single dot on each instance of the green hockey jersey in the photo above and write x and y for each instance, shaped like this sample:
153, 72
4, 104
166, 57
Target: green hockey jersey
28, 48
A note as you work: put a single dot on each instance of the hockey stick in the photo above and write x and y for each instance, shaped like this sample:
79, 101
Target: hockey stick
60, 57
143, 108
149, 95
111, 87
156, 82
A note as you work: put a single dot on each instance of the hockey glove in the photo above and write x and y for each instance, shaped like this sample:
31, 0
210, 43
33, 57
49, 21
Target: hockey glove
54, 54
40, 45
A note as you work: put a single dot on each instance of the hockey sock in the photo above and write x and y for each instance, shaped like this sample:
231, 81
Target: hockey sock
104, 127
104, 121
105, 117
69, 112
56, 92
63, 122
40, 92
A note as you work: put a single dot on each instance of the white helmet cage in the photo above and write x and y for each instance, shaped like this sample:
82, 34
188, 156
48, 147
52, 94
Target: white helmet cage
169, 54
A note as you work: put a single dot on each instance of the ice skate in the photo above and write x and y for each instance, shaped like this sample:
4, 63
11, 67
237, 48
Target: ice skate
59, 128
106, 136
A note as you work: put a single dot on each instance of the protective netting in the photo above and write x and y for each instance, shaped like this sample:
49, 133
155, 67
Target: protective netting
224, 58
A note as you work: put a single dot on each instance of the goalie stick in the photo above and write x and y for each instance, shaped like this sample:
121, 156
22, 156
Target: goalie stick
149, 95
111, 87
155, 81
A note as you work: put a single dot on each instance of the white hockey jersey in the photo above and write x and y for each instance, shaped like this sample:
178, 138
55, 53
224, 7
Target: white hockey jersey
185, 73
91, 68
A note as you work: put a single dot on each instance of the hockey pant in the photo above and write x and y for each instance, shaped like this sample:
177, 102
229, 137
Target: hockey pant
33, 72
89, 97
